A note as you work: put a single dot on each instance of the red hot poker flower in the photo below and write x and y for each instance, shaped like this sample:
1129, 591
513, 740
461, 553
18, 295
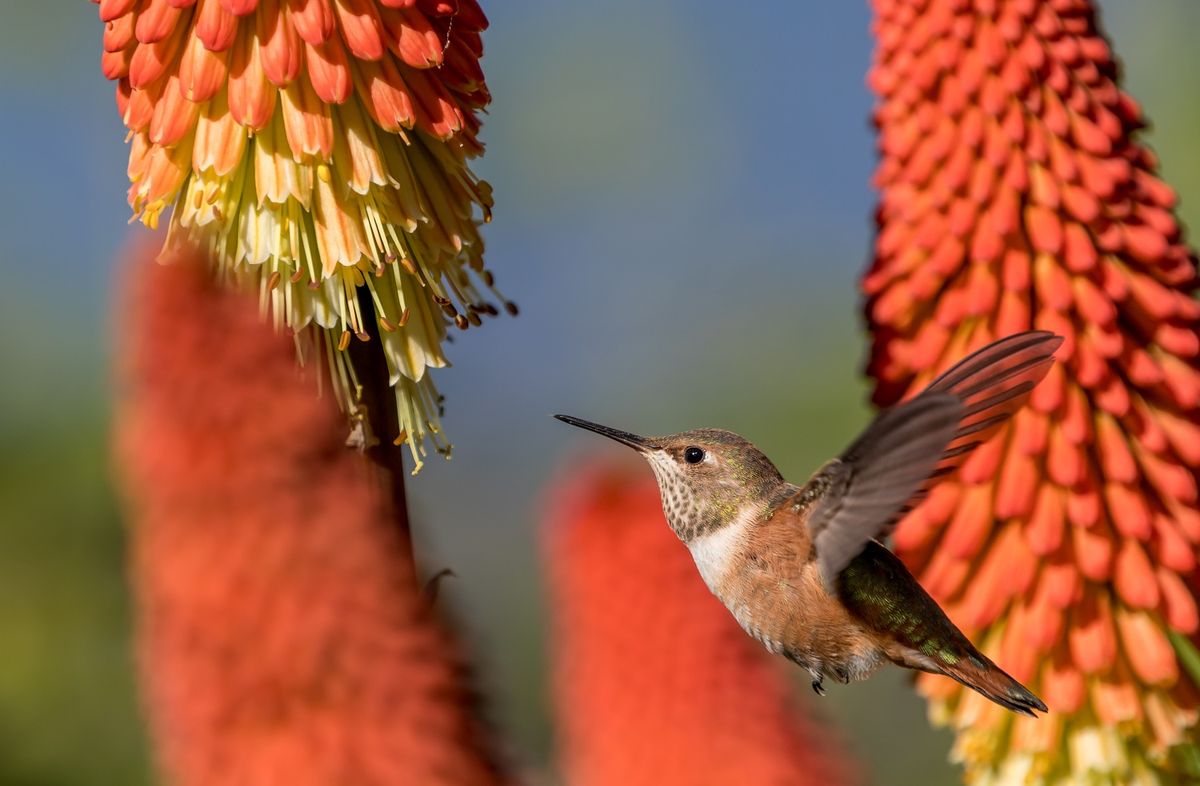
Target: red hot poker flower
282, 635
1014, 194
319, 149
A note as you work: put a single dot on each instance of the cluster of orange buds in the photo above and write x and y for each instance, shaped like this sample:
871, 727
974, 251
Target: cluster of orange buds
1014, 194
319, 150
654, 682
283, 636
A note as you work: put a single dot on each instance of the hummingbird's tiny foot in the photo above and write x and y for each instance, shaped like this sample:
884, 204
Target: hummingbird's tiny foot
818, 688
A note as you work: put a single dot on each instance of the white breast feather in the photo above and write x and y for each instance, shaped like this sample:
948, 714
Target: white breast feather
715, 551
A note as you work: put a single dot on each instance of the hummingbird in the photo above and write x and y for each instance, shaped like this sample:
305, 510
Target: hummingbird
802, 568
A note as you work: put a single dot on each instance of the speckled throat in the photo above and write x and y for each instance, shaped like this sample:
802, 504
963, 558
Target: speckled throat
693, 511
687, 515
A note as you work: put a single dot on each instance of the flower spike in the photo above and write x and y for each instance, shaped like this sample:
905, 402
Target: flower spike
318, 150
1014, 195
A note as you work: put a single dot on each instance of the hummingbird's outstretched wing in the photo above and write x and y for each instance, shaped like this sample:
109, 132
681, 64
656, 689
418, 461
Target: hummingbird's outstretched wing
859, 494
862, 494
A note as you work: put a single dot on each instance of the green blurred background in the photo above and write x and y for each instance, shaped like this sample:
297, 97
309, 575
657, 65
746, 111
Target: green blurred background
682, 212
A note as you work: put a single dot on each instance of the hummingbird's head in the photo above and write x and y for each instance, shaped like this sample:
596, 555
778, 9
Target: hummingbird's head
707, 477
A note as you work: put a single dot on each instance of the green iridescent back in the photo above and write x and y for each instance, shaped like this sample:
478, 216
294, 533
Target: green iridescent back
880, 592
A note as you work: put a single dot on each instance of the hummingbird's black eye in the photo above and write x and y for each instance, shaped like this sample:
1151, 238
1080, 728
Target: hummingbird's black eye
693, 455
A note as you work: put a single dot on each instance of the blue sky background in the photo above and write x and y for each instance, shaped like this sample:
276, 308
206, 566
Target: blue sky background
682, 212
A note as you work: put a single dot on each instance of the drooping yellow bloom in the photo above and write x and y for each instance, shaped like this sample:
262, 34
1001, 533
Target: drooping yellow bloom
318, 149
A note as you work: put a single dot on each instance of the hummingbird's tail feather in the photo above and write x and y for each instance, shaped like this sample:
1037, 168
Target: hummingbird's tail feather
913, 631
978, 673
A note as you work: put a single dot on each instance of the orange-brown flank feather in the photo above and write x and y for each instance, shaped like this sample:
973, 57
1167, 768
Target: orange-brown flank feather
777, 595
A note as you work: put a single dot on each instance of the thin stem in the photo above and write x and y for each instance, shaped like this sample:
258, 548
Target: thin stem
383, 421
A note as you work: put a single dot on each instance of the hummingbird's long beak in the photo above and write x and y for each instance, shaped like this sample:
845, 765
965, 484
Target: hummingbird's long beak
624, 437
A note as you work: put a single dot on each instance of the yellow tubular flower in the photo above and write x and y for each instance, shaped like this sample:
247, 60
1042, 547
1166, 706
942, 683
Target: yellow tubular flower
318, 149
